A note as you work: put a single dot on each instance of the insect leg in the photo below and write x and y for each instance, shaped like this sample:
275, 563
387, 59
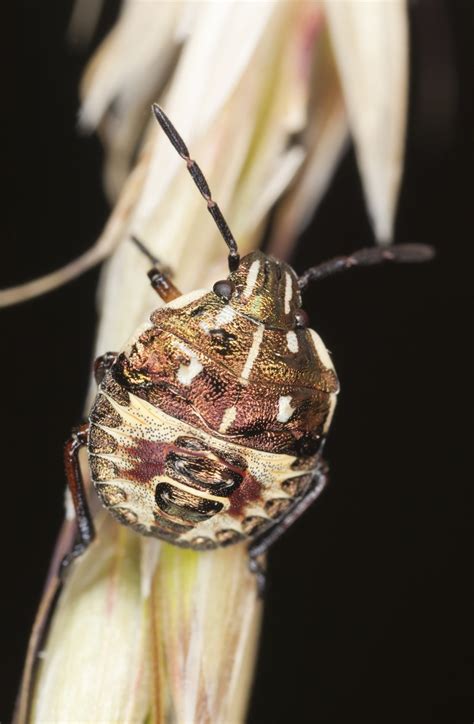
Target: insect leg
263, 542
159, 279
163, 285
85, 526
103, 364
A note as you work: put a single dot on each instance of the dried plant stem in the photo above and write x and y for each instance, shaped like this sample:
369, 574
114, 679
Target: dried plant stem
205, 623
144, 632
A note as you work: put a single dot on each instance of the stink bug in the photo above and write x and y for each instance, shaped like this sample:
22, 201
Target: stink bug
208, 427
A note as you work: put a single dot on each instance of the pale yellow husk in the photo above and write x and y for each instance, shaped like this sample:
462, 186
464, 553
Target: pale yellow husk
145, 632
370, 40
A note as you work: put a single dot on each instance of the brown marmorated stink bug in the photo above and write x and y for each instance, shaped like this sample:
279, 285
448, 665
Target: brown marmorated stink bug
208, 427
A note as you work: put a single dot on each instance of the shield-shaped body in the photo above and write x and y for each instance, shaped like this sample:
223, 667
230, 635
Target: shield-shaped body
210, 423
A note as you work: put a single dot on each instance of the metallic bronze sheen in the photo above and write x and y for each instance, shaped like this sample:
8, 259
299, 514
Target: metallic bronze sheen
209, 424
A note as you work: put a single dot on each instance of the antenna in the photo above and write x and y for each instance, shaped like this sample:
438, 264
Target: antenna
146, 252
201, 183
399, 254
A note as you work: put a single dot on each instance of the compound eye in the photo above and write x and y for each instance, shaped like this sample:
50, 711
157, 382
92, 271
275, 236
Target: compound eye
223, 289
301, 319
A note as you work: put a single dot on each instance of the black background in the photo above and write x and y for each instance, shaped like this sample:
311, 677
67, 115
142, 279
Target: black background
369, 608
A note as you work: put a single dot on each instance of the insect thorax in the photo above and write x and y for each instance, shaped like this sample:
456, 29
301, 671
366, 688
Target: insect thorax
211, 421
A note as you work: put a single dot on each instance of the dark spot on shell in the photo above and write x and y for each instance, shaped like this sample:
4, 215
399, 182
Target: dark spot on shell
224, 289
104, 413
266, 272
255, 428
277, 506
227, 536
253, 524
233, 458
201, 472
304, 463
191, 443
307, 445
301, 319
184, 505
222, 341
127, 376
100, 441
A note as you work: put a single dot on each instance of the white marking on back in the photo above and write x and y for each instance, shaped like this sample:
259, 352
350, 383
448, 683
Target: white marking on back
292, 341
187, 373
288, 292
285, 410
225, 316
321, 350
228, 418
251, 278
254, 350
